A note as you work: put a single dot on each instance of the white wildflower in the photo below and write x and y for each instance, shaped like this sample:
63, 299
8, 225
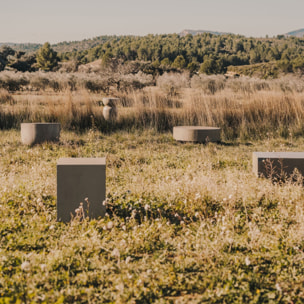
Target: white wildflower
26, 266
278, 287
110, 225
115, 253
120, 287
129, 276
247, 261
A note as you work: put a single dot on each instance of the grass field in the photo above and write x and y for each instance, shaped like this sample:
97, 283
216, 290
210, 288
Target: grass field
186, 223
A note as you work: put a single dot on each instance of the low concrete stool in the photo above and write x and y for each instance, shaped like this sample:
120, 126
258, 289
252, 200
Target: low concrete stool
34, 133
78, 179
277, 164
197, 134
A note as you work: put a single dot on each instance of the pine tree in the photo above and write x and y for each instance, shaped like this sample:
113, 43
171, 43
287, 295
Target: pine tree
46, 57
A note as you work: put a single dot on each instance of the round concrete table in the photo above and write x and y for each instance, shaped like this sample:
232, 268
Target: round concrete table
197, 134
34, 133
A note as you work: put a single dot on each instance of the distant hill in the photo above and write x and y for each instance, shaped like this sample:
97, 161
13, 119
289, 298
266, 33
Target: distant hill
81, 45
25, 47
196, 32
62, 47
298, 33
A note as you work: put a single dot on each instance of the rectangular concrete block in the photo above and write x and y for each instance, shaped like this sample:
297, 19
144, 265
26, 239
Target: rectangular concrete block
277, 164
78, 179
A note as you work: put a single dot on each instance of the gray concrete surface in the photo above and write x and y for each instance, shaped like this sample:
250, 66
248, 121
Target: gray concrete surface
197, 134
34, 133
78, 179
110, 101
277, 164
109, 113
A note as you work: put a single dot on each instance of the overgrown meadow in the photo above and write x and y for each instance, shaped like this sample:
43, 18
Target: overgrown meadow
185, 223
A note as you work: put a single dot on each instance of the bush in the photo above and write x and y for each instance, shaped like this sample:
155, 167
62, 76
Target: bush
173, 82
208, 84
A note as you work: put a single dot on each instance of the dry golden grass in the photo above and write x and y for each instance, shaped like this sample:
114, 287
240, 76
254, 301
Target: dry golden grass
244, 108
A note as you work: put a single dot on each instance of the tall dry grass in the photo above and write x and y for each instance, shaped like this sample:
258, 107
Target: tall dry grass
244, 108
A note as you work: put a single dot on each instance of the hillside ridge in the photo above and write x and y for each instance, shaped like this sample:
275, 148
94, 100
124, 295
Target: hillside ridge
297, 33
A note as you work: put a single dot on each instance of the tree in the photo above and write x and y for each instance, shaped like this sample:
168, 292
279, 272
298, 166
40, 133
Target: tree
208, 66
179, 62
46, 57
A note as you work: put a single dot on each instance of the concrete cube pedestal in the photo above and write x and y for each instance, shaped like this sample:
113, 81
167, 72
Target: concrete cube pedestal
77, 179
277, 164
34, 133
197, 134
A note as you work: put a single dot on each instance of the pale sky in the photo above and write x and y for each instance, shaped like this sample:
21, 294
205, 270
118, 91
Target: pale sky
55, 21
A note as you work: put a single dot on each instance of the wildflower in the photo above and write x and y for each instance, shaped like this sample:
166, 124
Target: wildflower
110, 225
26, 266
278, 287
43, 267
104, 203
128, 259
147, 207
247, 261
115, 253
120, 287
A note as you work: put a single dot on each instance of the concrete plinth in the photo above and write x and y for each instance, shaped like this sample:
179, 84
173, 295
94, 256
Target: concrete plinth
78, 179
197, 134
110, 101
277, 164
34, 133
109, 113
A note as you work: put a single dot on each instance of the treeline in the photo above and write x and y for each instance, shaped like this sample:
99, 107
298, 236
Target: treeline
205, 53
